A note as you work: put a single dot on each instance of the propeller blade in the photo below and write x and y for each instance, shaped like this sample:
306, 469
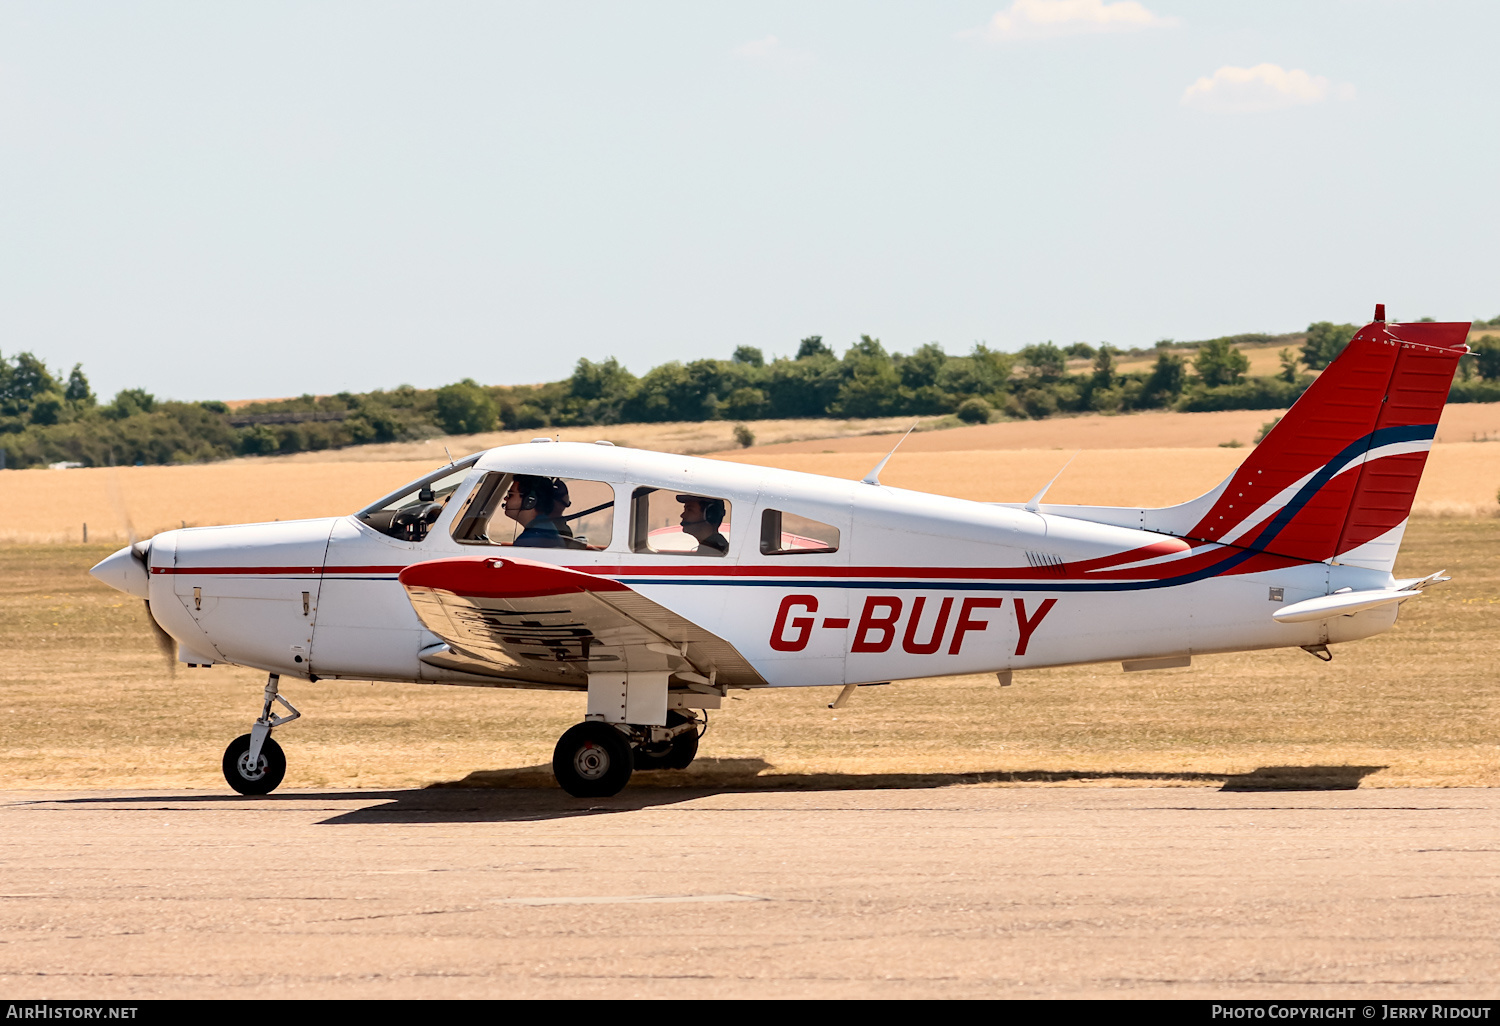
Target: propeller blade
164, 641
117, 499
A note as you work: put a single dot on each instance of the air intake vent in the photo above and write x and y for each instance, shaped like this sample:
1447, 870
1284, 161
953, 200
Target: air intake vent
1046, 561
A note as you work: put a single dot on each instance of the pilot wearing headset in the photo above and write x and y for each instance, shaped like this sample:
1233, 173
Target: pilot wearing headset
536, 503
701, 517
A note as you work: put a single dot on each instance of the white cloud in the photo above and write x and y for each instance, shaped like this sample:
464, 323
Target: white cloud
1041, 19
1232, 90
771, 50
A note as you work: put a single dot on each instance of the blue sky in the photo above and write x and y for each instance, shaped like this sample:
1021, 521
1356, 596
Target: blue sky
239, 200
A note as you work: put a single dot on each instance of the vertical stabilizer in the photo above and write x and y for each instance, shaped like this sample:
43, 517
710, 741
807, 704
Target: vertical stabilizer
1335, 478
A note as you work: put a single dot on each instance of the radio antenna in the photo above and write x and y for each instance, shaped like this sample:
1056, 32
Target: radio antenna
873, 477
1036, 500
449, 455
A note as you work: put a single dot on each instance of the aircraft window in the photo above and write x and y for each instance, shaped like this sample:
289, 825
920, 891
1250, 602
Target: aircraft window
679, 523
784, 534
530, 511
410, 512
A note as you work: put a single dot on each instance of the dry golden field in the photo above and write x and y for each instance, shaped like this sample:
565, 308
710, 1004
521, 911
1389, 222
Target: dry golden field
1265, 360
88, 703
1142, 459
689, 437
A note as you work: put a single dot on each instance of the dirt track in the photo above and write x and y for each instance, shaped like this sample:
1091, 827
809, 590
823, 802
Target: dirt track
980, 892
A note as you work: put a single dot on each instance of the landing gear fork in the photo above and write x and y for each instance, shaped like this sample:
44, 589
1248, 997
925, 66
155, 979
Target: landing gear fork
260, 730
254, 763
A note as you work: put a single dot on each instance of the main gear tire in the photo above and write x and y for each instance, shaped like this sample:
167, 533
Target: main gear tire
678, 753
262, 778
592, 760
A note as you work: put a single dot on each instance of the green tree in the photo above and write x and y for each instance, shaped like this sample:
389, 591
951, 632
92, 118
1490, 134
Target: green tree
983, 372
1044, 361
48, 408
606, 380
1325, 341
130, 401
1165, 382
922, 367
78, 392
1288, 366
464, 408
1080, 351
1104, 366
974, 411
803, 388
749, 356
1487, 357
1219, 363
22, 380
746, 403
871, 386
812, 345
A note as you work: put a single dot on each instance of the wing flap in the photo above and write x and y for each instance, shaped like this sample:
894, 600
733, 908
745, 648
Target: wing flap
555, 625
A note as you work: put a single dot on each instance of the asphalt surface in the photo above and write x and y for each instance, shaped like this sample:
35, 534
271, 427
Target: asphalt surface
947, 892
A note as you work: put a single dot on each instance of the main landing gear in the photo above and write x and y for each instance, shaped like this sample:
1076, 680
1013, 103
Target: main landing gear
254, 763
595, 759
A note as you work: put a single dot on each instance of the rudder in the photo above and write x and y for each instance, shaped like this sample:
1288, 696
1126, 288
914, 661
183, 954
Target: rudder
1335, 478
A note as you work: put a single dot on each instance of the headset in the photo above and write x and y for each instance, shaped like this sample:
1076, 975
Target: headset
714, 510
534, 489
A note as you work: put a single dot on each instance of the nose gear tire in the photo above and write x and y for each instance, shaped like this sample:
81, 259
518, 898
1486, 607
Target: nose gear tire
677, 753
264, 777
592, 760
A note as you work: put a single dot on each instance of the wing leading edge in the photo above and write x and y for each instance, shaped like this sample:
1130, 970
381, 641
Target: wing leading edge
552, 625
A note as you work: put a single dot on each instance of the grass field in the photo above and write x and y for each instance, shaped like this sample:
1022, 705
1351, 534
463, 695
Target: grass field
88, 703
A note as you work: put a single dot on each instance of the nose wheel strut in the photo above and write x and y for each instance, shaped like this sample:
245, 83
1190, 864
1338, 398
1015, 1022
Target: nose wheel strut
254, 763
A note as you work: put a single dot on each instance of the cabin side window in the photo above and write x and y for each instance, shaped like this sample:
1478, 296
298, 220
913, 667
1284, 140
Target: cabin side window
787, 534
678, 523
410, 512
536, 511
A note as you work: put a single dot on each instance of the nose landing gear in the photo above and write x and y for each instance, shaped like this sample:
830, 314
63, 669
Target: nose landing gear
254, 763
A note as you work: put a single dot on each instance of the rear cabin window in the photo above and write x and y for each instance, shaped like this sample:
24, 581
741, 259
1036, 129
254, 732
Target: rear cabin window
679, 523
787, 534
408, 514
534, 511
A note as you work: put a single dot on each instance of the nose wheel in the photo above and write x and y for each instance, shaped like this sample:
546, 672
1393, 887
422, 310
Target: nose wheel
254, 763
261, 778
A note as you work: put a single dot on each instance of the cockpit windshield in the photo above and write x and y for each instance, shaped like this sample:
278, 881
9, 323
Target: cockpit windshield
409, 513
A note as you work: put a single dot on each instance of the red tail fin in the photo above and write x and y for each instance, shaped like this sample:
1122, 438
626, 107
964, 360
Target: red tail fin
1335, 478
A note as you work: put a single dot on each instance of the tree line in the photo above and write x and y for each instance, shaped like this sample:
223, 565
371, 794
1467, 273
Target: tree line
48, 418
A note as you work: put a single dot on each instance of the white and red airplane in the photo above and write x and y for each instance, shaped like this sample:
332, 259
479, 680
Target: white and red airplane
654, 583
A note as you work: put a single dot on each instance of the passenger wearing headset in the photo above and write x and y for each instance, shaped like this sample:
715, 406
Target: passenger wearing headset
537, 503
701, 517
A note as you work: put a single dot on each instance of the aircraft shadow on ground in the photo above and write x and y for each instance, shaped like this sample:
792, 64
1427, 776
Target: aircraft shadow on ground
529, 793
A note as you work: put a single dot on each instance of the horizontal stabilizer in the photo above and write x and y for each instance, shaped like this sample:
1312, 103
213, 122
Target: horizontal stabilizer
1342, 604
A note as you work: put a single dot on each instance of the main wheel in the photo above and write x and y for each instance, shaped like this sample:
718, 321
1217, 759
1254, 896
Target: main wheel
592, 760
677, 753
262, 778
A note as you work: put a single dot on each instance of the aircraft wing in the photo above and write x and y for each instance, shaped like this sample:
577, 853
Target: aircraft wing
552, 625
